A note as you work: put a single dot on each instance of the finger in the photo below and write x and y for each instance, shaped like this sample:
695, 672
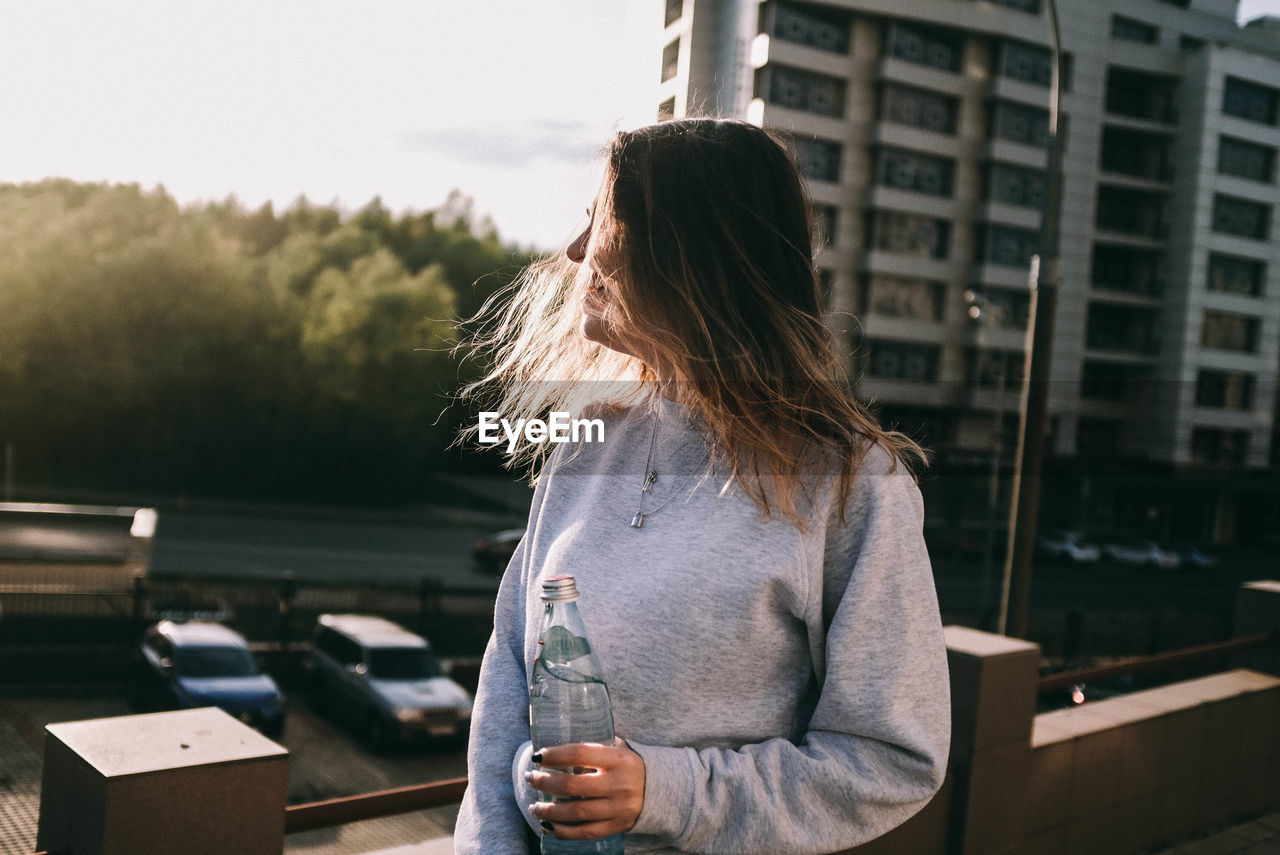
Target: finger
583, 785
585, 831
576, 812
593, 755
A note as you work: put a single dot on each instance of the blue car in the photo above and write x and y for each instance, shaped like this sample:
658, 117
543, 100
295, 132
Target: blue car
203, 664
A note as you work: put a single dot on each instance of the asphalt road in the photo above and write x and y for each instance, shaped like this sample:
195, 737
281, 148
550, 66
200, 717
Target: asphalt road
317, 550
314, 550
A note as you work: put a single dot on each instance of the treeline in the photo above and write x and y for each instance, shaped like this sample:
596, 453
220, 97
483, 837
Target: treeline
217, 351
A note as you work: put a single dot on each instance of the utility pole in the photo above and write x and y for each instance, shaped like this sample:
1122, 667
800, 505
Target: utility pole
1024, 501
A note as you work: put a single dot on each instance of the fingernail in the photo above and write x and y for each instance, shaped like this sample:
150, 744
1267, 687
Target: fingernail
548, 826
528, 777
537, 758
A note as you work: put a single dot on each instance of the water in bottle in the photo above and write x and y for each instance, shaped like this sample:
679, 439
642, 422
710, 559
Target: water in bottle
568, 697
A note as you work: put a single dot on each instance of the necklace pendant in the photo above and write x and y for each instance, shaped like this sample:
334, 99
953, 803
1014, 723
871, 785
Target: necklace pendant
649, 480
638, 520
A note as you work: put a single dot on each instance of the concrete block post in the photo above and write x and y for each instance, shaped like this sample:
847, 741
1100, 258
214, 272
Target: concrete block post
993, 706
193, 781
1258, 610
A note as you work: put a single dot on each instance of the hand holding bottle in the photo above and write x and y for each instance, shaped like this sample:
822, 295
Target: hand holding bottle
606, 801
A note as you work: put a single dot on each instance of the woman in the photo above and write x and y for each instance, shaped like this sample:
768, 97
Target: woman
746, 539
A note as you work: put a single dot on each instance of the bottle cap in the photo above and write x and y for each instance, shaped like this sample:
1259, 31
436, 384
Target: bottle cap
559, 589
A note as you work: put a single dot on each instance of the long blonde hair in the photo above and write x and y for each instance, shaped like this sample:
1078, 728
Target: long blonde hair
702, 232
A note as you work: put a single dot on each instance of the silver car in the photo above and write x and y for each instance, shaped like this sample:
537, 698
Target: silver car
1068, 545
1140, 552
384, 680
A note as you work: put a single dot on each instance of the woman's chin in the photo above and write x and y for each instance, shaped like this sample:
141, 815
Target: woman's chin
594, 329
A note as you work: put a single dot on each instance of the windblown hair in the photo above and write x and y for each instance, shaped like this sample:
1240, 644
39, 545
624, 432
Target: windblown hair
701, 232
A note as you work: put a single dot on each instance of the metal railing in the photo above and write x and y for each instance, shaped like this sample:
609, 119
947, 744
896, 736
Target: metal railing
1172, 658
381, 803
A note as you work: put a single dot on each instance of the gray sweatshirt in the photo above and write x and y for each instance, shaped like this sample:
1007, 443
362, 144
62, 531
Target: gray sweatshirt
787, 689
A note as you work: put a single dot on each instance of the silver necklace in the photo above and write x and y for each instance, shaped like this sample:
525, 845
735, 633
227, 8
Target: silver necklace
650, 477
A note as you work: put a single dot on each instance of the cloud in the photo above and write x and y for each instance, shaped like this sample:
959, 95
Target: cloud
557, 140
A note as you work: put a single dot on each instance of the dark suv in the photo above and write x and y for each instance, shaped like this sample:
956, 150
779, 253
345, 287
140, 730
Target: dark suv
384, 680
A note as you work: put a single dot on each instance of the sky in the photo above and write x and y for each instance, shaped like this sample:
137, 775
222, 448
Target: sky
508, 101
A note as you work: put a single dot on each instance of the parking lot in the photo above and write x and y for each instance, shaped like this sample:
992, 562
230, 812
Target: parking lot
325, 762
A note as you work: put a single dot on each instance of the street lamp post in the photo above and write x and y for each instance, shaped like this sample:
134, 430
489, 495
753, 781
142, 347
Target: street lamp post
984, 311
1024, 512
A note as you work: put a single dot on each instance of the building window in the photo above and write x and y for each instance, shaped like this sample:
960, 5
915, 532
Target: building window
920, 108
1136, 153
1016, 185
675, 8
1227, 331
1139, 95
801, 90
1246, 160
1126, 269
1105, 381
1231, 274
1124, 210
910, 234
667, 109
1252, 102
1129, 30
1189, 43
1032, 6
929, 46
1020, 123
817, 160
824, 286
823, 220
984, 365
1004, 308
811, 26
1007, 246
1219, 446
920, 173
904, 297
897, 360
670, 60
1122, 329
1027, 63
1224, 390
1241, 217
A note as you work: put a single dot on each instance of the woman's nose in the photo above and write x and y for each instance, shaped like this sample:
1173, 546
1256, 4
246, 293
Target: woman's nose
577, 251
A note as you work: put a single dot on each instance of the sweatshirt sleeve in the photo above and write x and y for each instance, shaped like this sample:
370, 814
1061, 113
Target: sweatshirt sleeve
876, 747
489, 822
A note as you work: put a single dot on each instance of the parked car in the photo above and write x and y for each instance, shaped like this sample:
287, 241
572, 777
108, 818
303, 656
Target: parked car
384, 680
181, 665
1140, 552
1067, 545
1197, 557
492, 552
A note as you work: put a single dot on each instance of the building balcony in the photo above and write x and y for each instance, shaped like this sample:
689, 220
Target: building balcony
881, 261
800, 122
1135, 240
1121, 355
1104, 294
901, 71
1018, 154
917, 139
1011, 215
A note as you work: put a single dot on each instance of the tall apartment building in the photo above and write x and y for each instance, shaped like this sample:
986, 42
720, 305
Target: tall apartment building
922, 126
